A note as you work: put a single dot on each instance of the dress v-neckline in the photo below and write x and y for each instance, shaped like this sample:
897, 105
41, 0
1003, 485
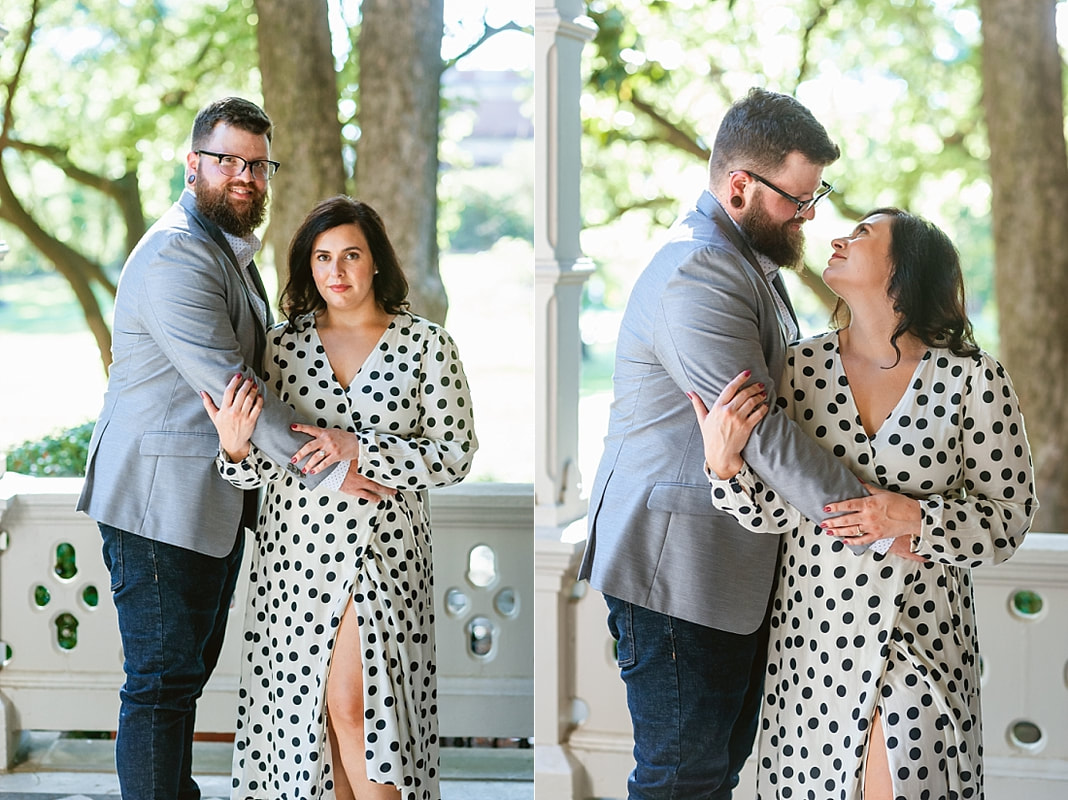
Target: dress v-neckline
370, 355
849, 387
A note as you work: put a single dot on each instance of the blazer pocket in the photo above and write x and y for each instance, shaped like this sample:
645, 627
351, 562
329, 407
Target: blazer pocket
177, 443
683, 498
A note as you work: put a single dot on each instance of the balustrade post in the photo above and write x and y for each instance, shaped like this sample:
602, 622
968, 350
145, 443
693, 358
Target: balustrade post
559, 267
560, 271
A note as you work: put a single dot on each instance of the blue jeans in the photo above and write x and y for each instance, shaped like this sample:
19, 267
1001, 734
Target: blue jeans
172, 605
694, 696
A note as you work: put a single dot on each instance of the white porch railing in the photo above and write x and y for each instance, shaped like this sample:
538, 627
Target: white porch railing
1022, 609
61, 660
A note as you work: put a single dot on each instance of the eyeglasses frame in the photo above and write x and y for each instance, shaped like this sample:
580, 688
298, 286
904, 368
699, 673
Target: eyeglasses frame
247, 164
803, 206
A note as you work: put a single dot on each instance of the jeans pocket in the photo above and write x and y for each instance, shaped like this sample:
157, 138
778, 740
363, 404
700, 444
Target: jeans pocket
621, 626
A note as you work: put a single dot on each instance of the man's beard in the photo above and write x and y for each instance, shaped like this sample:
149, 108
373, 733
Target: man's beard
775, 240
215, 204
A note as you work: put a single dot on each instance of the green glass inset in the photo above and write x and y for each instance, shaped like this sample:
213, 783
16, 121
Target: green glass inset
41, 596
66, 564
1027, 603
67, 631
90, 596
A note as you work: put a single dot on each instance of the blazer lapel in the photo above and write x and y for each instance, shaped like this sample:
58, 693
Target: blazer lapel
188, 202
710, 206
780, 287
254, 273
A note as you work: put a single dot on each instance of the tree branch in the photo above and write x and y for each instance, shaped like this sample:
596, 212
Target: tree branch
617, 211
488, 32
676, 136
13, 84
72, 265
822, 10
125, 191
814, 283
61, 158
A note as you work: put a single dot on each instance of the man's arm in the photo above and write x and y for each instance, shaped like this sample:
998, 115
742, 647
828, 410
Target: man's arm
184, 308
707, 332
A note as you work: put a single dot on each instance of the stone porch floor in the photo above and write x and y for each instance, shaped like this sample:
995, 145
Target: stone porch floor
51, 768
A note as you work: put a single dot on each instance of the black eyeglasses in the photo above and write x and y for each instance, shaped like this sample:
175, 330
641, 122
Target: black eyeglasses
231, 166
802, 205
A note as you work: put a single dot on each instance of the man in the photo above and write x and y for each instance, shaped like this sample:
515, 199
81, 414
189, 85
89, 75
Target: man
190, 315
687, 589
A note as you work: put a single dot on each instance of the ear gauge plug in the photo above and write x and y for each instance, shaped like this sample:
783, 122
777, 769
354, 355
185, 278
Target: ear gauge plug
192, 178
736, 201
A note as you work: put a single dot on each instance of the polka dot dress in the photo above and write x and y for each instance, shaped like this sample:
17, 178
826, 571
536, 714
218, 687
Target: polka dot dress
410, 407
851, 633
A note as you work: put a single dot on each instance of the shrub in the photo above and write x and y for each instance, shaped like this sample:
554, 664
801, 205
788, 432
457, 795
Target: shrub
59, 455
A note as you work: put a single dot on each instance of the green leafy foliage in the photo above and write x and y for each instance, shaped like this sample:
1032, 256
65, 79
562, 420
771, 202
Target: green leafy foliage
479, 207
897, 85
59, 455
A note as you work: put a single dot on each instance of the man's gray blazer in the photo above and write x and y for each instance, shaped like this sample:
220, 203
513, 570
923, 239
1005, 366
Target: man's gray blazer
699, 314
184, 321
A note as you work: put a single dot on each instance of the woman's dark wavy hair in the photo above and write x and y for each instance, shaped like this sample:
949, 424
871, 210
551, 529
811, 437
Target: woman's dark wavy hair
926, 285
301, 296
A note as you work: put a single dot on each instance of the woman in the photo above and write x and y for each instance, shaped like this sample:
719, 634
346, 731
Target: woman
872, 684
339, 629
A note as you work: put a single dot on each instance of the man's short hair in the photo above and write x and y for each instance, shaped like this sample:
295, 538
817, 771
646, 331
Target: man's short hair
235, 111
759, 131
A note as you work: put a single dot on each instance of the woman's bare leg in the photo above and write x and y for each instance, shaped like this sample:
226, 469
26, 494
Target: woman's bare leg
877, 782
342, 789
344, 700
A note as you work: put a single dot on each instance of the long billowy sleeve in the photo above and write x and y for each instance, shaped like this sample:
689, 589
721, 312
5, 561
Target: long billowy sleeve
440, 452
987, 520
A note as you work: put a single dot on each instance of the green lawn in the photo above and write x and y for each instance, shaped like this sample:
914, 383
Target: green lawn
39, 304
53, 378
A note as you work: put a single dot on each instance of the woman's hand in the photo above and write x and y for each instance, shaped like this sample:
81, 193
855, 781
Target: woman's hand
726, 427
235, 419
327, 446
881, 515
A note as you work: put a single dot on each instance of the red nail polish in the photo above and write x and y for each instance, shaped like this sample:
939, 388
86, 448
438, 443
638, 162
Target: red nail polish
826, 509
293, 427
747, 373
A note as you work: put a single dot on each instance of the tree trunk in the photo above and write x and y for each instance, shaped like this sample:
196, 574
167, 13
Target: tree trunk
79, 271
1022, 98
300, 95
397, 154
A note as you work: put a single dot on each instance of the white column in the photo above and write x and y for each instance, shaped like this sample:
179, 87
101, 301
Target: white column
559, 268
560, 32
